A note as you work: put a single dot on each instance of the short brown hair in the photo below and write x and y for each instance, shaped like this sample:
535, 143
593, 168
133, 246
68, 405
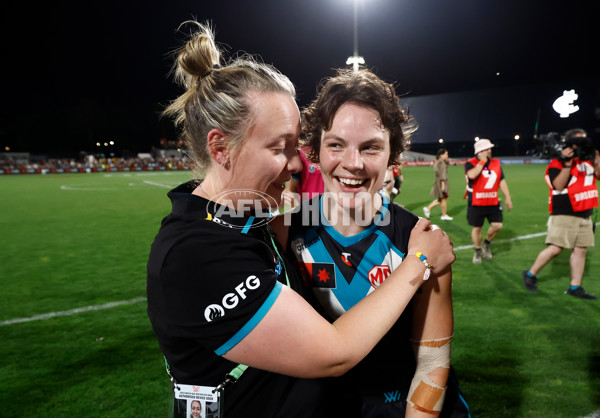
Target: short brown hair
363, 88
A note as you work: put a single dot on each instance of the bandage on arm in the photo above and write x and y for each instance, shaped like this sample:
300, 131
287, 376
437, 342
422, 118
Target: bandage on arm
425, 395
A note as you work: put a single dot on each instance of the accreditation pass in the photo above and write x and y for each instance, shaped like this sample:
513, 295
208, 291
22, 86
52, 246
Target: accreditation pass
196, 401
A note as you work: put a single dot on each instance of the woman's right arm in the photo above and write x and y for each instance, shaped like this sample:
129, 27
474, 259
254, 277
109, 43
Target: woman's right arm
293, 339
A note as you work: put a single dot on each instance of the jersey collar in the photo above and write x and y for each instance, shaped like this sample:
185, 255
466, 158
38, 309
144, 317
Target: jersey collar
184, 202
380, 216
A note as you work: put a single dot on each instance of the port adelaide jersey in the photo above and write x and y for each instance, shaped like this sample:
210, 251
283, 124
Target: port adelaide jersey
343, 270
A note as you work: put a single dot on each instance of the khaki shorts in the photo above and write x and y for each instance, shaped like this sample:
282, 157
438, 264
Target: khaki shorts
570, 231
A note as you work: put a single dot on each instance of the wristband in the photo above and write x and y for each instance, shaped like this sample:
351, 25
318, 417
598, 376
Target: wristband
428, 266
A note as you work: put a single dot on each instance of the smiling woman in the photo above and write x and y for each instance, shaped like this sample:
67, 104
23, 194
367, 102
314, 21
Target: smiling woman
353, 151
356, 130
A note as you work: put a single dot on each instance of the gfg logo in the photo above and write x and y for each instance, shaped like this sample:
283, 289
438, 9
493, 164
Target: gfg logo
231, 300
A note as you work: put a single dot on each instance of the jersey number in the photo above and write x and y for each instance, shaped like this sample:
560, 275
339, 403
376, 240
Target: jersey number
491, 178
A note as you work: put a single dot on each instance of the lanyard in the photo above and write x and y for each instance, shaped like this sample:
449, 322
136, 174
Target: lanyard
231, 377
287, 279
175, 385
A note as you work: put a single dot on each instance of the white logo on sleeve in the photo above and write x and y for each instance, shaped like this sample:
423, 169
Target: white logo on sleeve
232, 299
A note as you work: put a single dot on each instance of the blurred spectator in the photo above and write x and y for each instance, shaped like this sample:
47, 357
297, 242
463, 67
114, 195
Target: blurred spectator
440, 187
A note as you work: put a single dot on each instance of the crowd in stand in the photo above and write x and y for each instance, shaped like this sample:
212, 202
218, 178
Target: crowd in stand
90, 163
142, 162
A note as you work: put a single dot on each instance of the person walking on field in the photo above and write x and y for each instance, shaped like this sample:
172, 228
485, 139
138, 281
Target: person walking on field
485, 177
573, 196
440, 185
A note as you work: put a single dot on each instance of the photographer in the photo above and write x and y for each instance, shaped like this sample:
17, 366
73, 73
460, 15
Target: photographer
573, 197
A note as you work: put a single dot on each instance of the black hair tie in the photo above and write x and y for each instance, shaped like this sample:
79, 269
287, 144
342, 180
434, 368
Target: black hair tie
210, 72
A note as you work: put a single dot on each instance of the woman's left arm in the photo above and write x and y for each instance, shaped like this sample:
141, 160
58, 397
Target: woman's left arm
433, 327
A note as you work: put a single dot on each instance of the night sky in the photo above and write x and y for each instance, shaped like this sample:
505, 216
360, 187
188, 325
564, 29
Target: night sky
75, 73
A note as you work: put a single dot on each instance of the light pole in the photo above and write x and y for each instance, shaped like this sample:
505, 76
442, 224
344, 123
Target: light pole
355, 59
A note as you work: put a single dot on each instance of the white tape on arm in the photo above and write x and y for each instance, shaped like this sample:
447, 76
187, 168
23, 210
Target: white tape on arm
424, 394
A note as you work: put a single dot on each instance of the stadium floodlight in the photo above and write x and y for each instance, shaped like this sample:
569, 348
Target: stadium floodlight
355, 59
441, 140
517, 137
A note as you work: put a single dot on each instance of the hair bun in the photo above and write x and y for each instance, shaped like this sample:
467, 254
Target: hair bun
198, 57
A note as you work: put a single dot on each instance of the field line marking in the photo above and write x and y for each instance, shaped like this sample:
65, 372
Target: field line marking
72, 311
87, 189
519, 238
152, 183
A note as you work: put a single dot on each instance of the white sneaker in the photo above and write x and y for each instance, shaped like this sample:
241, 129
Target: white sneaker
427, 212
446, 218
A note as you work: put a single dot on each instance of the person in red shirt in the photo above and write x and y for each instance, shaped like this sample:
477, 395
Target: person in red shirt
305, 184
485, 177
393, 181
573, 197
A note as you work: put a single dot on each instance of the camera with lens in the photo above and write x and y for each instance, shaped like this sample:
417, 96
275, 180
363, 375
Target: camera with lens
585, 150
548, 146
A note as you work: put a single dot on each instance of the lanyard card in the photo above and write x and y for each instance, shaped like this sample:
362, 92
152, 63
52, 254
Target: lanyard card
196, 402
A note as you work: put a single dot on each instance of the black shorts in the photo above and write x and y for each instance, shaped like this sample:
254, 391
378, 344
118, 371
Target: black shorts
476, 215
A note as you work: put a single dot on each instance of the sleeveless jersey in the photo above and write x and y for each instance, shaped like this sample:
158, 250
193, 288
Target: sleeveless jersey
343, 270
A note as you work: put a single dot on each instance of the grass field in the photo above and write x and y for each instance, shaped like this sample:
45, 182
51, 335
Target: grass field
82, 240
